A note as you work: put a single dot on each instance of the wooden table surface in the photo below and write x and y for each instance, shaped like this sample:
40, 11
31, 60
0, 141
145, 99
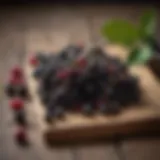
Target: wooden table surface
22, 28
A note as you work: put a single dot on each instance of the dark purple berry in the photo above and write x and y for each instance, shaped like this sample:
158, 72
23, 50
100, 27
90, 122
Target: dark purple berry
20, 117
10, 90
113, 108
21, 137
87, 109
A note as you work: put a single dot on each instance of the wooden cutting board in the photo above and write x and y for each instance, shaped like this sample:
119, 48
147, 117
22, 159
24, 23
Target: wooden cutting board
77, 127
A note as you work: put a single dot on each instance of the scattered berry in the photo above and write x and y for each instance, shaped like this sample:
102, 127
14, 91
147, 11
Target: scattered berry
21, 137
33, 61
20, 117
17, 72
16, 104
10, 90
16, 81
22, 91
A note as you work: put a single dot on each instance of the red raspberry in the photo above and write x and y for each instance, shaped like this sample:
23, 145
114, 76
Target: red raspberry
16, 104
33, 61
17, 72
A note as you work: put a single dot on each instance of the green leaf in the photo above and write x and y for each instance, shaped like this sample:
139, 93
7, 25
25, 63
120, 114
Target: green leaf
147, 24
120, 31
140, 55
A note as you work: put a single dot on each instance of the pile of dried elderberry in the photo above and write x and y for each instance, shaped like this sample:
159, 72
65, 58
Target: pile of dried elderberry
83, 81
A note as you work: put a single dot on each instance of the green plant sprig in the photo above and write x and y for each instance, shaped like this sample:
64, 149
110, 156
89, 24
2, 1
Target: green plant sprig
138, 38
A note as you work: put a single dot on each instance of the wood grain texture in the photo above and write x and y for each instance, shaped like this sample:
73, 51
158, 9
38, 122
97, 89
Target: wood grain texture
96, 152
142, 149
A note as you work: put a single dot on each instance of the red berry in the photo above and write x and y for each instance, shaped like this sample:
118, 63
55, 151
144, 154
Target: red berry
16, 104
16, 80
33, 61
20, 135
63, 74
82, 62
16, 72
